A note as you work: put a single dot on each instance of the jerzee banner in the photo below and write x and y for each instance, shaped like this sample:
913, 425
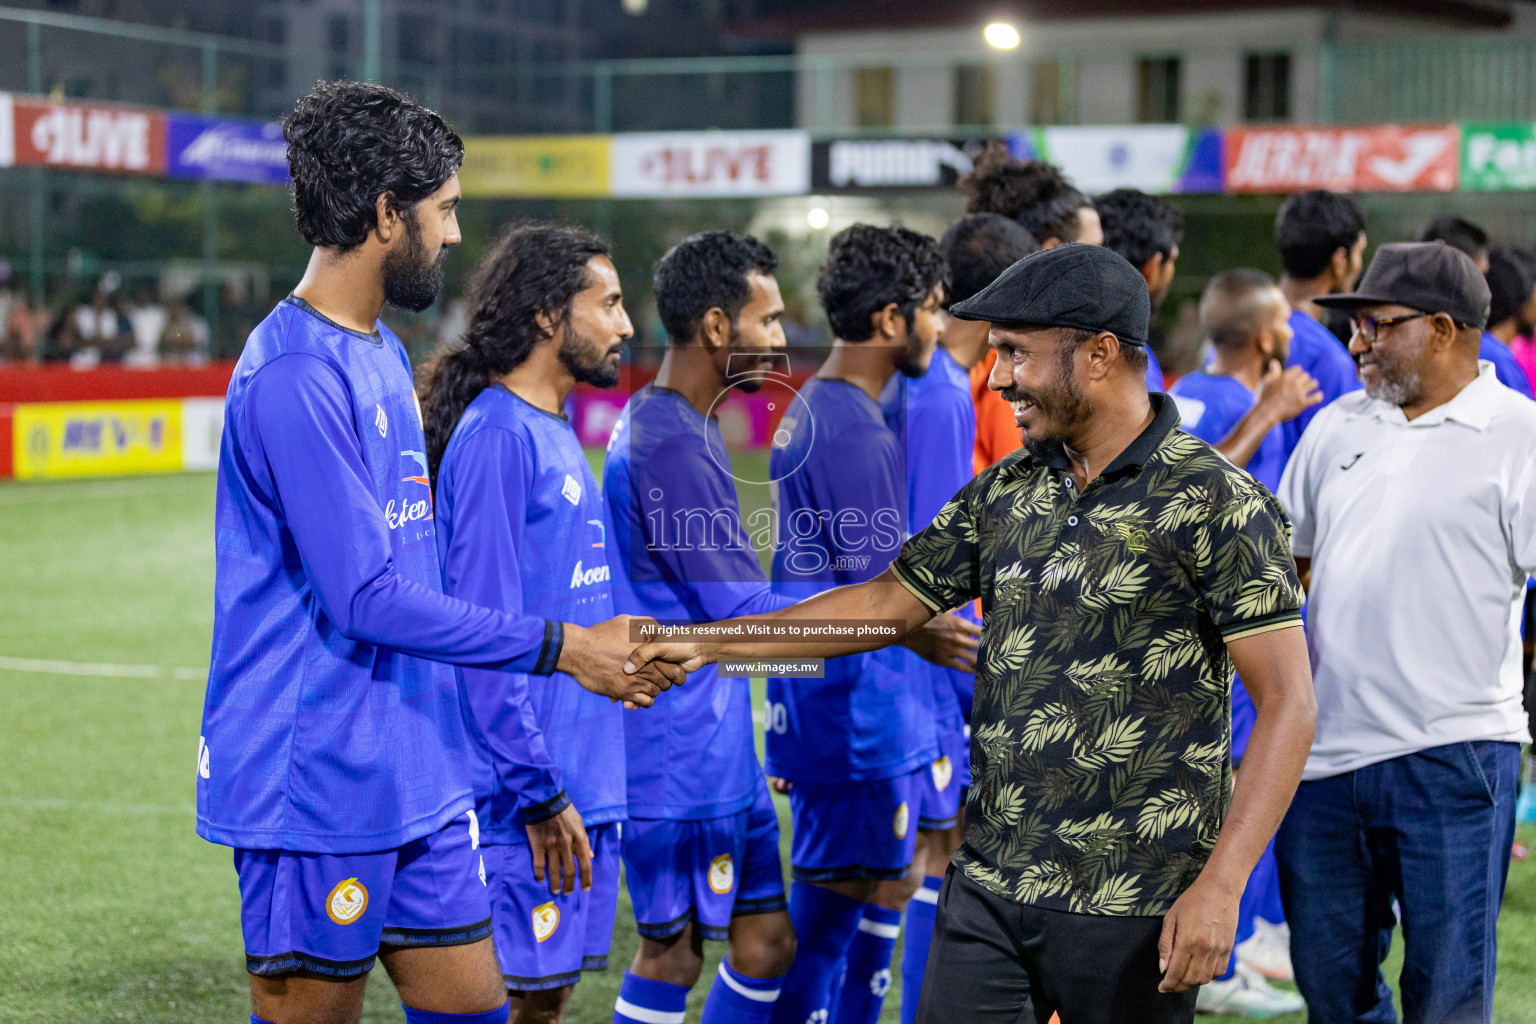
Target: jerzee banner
564, 166
710, 164
1390, 158
1157, 158
88, 135
889, 163
1498, 157
73, 439
222, 149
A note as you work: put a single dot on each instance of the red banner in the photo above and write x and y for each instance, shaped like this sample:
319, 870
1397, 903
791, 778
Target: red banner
1391, 158
90, 136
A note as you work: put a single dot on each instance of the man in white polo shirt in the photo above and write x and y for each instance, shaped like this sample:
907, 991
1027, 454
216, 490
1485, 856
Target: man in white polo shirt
1413, 506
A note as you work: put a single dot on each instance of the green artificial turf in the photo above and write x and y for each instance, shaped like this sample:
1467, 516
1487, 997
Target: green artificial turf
111, 907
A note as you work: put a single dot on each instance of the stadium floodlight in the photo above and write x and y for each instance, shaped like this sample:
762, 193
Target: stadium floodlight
635, 8
1001, 36
818, 218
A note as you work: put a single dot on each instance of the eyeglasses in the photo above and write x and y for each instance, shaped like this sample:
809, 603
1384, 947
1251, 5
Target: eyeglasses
1369, 326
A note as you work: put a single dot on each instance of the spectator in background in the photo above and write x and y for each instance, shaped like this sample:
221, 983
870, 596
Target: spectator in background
1414, 522
147, 319
1459, 234
1321, 238
1034, 193
185, 339
1510, 284
1523, 345
18, 327
1473, 240
1147, 231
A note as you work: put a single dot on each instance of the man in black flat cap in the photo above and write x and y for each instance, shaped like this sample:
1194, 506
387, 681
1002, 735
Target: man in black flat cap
1124, 569
1414, 504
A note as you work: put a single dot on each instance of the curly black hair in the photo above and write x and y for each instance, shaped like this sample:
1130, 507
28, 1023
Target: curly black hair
1139, 226
1312, 226
1033, 192
707, 271
533, 267
868, 268
348, 142
977, 248
1509, 281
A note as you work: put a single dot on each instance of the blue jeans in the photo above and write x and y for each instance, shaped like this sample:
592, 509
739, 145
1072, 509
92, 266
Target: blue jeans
1432, 829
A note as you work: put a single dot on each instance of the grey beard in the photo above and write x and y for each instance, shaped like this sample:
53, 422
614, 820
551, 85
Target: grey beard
1396, 392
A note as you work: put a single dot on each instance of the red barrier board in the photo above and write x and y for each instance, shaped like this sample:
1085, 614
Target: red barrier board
112, 383
89, 135
7, 425
1390, 158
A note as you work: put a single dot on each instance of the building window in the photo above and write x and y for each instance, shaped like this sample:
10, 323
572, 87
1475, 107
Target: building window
973, 94
874, 97
1050, 91
1267, 87
1157, 90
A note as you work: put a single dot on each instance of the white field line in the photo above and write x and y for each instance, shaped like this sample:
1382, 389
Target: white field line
89, 668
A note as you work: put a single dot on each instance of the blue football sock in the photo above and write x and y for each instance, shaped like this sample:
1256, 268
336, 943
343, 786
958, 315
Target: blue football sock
643, 1001
259, 1020
737, 999
868, 975
497, 1016
1270, 908
825, 923
922, 912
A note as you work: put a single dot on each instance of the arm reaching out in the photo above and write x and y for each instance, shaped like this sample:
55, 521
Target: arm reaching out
1282, 395
883, 597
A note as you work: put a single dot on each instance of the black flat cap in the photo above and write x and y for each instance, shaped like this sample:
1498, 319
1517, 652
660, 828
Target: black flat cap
1431, 277
1087, 287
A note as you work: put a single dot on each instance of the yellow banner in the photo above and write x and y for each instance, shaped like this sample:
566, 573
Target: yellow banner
557, 166
65, 439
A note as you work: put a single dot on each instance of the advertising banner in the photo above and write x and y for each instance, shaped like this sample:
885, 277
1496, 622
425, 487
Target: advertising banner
224, 149
91, 136
697, 164
561, 166
1498, 157
889, 163
1389, 158
1156, 158
75, 439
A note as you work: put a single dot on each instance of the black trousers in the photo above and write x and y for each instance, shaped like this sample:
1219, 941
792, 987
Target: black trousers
994, 961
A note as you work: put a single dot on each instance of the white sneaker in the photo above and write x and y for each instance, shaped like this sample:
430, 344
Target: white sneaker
1247, 994
1268, 950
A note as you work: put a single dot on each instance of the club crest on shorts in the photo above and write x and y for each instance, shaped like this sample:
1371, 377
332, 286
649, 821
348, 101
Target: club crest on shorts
347, 901
722, 874
943, 773
546, 918
899, 823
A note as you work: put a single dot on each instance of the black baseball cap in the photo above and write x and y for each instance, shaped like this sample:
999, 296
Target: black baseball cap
1087, 287
1431, 277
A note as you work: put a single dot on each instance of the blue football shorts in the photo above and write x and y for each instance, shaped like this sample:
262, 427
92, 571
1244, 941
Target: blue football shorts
706, 871
329, 913
545, 940
851, 830
945, 781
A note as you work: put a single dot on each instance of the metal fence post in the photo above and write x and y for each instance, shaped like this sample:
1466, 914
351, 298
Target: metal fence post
602, 100
38, 201
210, 197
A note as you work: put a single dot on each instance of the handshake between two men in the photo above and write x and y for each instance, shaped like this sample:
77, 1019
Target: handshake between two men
606, 660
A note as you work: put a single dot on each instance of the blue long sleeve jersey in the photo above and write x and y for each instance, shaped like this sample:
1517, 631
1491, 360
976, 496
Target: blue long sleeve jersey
936, 417
520, 526
1211, 405
330, 725
841, 507
683, 552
